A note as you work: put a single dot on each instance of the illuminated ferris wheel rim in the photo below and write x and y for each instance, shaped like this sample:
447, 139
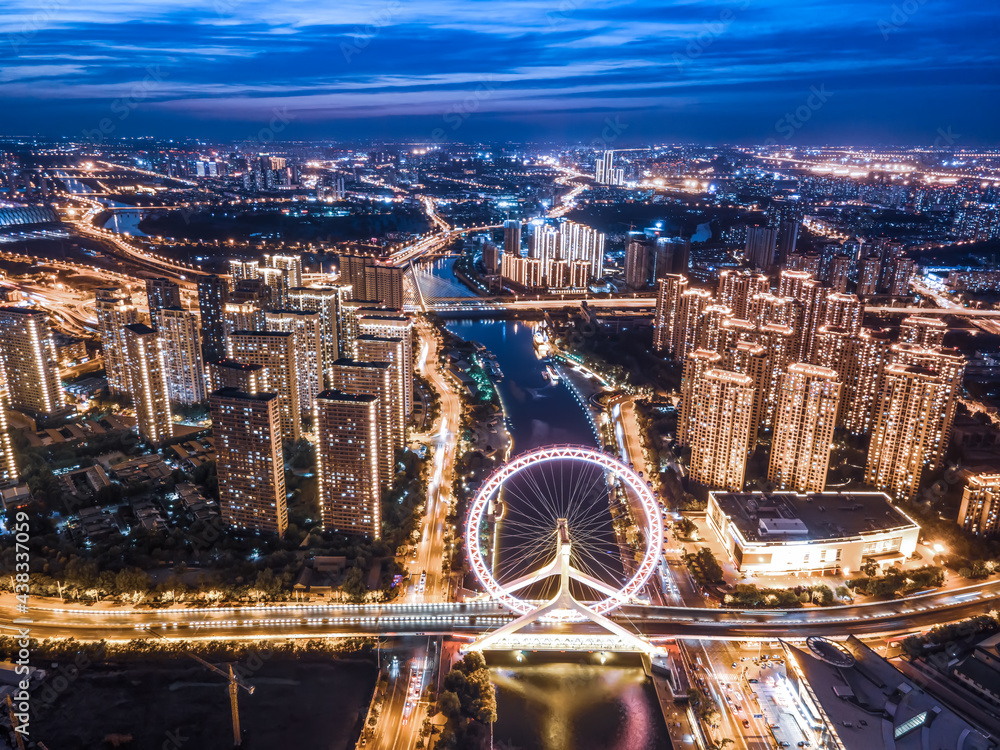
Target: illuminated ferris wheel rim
591, 456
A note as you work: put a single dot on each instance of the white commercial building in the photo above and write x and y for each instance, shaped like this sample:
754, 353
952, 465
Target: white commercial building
816, 533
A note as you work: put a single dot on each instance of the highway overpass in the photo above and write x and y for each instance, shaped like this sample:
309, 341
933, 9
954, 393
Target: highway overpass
473, 619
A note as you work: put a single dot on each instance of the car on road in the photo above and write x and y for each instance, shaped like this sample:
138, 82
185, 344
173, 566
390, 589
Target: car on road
746, 723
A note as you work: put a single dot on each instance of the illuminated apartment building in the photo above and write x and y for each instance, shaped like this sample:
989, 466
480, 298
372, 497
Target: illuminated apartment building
668, 309
980, 509
307, 331
735, 330
921, 331
347, 463
768, 308
688, 331
737, 288
844, 311
393, 327
114, 311
393, 351
696, 365
213, 293
161, 293
277, 354
375, 378
778, 341
328, 301
244, 270
290, 266
721, 432
808, 400
228, 373
29, 360
181, 347
526, 272
711, 335
910, 429
148, 383
811, 297
8, 461
748, 358
247, 432
869, 270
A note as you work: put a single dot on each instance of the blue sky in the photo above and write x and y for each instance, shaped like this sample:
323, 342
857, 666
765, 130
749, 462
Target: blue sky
746, 71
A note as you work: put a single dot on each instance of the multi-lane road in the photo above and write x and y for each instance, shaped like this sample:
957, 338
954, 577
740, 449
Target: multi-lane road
922, 611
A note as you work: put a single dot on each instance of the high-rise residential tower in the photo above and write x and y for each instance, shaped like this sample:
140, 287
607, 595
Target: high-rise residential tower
251, 469
347, 463
148, 383
808, 400
181, 347
114, 311
29, 360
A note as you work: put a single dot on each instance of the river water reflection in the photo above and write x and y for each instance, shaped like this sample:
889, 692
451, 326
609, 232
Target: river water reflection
579, 704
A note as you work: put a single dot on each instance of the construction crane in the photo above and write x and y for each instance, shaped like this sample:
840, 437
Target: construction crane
234, 686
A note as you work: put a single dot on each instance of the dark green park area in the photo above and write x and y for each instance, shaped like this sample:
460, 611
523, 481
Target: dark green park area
290, 222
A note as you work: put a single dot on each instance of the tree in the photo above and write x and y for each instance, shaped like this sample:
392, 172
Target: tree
870, 568
354, 585
686, 528
449, 704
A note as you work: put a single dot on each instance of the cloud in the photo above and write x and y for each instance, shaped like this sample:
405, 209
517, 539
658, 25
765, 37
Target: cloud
698, 63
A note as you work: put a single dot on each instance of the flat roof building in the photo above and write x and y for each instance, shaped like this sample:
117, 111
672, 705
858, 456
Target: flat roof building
819, 532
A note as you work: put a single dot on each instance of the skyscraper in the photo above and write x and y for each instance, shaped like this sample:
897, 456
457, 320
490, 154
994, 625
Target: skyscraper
328, 301
759, 250
213, 293
721, 433
29, 361
979, 512
375, 378
638, 261
696, 364
391, 350
868, 355
788, 235
808, 400
290, 266
689, 328
181, 347
393, 327
512, 237
668, 310
277, 354
148, 383
811, 297
8, 463
778, 341
845, 311
923, 331
737, 288
114, 311
347, 463
161, 293
909, 429
251, 470
748, 358
307, 330
373, 279
228, 373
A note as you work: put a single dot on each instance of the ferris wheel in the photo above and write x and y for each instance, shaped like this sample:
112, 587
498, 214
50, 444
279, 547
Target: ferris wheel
545, 521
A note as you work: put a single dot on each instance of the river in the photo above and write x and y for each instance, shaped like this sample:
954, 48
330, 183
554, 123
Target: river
544, 704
